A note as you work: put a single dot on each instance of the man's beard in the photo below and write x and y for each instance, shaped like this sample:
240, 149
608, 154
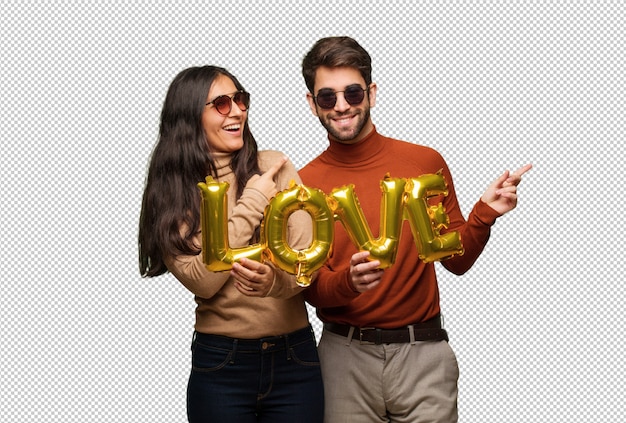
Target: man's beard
342, 136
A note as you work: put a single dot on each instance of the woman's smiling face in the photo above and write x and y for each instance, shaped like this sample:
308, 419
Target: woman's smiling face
224, 133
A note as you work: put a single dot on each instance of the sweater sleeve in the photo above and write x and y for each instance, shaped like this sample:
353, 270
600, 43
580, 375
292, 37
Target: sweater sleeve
474, 231
474, 236
193, 274
330, 288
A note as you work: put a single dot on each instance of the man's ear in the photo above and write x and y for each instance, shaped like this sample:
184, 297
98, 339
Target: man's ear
312, 106
372, 94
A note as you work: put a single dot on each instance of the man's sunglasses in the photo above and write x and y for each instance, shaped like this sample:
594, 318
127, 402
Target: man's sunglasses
224, 103
327, 98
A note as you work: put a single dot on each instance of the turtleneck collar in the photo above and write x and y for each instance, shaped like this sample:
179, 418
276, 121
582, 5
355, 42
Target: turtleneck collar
369, 148
222, 164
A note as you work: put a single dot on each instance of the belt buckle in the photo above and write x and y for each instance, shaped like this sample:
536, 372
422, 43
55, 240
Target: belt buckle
368, 329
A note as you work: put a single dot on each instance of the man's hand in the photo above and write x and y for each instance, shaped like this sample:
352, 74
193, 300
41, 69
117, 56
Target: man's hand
501, 195
364, 274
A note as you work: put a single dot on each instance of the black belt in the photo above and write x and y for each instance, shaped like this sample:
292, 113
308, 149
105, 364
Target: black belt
429, 330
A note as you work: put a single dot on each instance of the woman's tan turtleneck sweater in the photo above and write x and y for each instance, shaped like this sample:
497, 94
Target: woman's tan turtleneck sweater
221, 308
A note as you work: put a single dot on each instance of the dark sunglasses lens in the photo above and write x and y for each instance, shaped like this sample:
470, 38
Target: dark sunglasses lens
326, 100
354, 95
242, 100
222, 104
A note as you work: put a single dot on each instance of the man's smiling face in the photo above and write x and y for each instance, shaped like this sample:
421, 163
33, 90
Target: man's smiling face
344, 122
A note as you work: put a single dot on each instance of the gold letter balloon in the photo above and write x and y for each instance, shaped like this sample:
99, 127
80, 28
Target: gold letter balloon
302, 263
401, 199
216, 252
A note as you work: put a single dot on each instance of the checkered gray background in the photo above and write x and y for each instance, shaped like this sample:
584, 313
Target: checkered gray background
536, 324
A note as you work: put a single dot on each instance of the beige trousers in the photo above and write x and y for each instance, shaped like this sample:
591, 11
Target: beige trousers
402, 383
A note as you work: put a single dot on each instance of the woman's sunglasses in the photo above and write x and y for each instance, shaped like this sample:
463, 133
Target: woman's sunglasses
327, 98
224, 103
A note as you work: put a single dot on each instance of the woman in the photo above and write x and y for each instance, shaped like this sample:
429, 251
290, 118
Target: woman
254, 356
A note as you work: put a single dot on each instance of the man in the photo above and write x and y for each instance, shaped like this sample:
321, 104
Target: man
384, 354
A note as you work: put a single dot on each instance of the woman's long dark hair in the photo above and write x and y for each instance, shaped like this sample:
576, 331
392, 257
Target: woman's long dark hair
181, 159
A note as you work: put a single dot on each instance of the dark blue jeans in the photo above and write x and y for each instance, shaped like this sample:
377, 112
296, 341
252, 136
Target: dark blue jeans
275, 379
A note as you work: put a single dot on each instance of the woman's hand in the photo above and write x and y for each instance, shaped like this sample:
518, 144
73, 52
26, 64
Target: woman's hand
265, 182
252, 278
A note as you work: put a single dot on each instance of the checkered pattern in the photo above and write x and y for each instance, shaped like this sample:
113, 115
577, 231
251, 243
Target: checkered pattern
536, 323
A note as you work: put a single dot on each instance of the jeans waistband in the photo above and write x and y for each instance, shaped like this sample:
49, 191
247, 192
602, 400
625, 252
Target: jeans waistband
266, 344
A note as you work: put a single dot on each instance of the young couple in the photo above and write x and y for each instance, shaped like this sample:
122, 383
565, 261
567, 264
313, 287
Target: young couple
254, 354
